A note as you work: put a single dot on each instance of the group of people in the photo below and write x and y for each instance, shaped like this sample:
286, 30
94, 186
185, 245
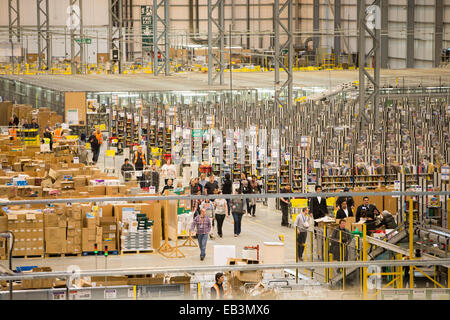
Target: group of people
317, 209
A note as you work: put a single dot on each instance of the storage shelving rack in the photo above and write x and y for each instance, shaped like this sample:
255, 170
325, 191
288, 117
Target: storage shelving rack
297, 176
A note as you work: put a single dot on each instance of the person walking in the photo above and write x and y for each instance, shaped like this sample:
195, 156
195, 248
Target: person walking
220, 209
83, 156
227, 188
202, 181
285, 204
245, 189
168, 170
217, 288
95, 147
237, 210
209, 207
301, 225
211, 185
255, 188
154, 178
202, 226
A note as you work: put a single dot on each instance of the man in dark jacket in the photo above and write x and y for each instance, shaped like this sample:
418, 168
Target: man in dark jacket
284, 204
349, 199
319, 205
254, 189
227, 188
344, 211
126, 169
34, 124
362, 208
95, 147
154, 178
339, 240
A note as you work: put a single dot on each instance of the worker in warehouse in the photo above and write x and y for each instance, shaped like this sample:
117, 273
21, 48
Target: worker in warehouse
340, 238
139, 162
301, 225
95, 147
217, 289
202, 225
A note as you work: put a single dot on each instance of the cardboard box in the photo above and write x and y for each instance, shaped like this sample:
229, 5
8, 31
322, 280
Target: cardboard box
55, 247
43, 283
55, 234
51, 220
110, 281
358, 226
3, 223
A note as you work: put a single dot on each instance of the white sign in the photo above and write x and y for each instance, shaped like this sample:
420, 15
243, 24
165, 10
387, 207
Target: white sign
110, 293
72, 116
76, 160
153, 122
316, 164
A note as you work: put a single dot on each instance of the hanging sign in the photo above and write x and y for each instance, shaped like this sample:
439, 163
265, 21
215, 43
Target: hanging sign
316, 164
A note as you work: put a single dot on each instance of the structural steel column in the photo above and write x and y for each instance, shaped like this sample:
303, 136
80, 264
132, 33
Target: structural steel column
76, 18
337, 31
216, 41
43, 33
410, 34
157, 45
115, 37
316, 24
438, 32
13, 26
288, 46
384, 33
370, 22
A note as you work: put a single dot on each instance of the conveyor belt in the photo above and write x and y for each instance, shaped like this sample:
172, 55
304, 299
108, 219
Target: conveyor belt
382, 246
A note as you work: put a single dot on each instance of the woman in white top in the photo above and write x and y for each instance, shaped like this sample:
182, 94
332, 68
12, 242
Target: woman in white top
168, 171
220, 209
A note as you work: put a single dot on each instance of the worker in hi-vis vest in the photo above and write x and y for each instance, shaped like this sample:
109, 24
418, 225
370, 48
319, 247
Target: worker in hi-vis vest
139, 159
99, 136
12, 133
217, 289
57, 134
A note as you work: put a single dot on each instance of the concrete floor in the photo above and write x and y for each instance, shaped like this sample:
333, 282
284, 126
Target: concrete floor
265, 227
199, 81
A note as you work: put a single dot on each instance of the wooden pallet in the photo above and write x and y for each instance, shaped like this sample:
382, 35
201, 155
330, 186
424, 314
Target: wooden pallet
29, 257
72, 254
122, 252
61, 255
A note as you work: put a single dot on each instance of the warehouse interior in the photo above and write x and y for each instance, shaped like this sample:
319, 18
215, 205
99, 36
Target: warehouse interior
284, 96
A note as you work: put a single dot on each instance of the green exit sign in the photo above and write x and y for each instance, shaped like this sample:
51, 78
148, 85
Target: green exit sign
84, 40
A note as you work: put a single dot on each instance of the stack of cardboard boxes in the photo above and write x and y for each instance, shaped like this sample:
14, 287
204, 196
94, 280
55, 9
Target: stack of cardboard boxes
28, 229
74, 224
55, 230
91, 233
109, 232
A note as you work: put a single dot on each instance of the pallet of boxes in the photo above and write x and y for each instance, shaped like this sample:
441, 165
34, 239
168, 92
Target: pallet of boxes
28, 228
